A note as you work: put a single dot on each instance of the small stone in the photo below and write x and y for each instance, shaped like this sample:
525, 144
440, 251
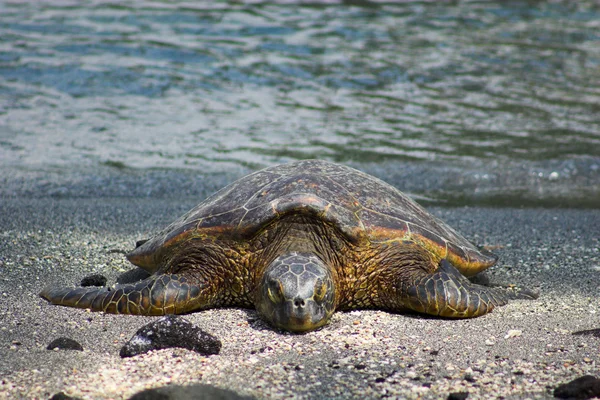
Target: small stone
585, 387
458, 396
513, 333
178, 392
171, 331
93, 280
334, 365
64, 343
63, 396
489, 342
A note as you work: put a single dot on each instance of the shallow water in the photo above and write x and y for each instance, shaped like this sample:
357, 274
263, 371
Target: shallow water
472, 102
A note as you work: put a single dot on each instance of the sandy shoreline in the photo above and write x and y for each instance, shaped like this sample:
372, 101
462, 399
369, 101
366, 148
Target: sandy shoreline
366, 354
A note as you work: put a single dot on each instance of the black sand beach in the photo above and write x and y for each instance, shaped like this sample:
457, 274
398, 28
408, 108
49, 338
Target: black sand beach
522, 350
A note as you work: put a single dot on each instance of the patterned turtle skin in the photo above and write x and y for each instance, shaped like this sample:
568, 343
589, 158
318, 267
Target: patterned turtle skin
297, 242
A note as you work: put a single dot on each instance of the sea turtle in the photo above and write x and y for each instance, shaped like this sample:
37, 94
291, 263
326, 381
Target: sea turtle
299, 241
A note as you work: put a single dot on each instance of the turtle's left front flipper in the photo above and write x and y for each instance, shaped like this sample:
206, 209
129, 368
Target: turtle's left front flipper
447, 293
156, 295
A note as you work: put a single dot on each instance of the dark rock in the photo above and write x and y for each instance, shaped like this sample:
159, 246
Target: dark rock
94, 280
64, 343
458, 396
585, 387
191, 392
63, 396
171, 331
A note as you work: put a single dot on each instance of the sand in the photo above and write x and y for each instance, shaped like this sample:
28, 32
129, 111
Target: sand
522, 350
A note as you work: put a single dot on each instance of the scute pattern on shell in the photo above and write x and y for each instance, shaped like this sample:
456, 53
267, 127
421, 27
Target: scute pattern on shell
357, 203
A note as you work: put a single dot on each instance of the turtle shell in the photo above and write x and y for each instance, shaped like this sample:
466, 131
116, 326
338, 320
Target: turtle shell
360, 205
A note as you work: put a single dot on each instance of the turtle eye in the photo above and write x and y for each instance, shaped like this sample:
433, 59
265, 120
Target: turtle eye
275, 292
320, 290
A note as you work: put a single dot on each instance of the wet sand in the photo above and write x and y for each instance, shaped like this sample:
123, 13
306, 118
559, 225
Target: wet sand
522, 350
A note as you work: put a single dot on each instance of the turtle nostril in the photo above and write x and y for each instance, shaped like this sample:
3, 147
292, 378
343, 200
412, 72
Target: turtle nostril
299, 303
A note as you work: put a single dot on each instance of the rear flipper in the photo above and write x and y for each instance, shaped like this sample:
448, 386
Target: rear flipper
156, 295
447, 293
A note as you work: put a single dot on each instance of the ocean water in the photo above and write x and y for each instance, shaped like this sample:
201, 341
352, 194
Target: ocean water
469, 102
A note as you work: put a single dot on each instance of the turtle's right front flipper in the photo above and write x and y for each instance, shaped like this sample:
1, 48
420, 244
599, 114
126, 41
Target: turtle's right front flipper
157, 295
445, 292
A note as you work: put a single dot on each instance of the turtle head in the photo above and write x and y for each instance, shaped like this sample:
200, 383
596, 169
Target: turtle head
296, 293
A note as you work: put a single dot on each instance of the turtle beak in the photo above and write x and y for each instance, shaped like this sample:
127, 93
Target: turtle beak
304, 315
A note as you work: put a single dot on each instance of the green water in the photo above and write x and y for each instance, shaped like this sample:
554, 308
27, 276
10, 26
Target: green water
464, 102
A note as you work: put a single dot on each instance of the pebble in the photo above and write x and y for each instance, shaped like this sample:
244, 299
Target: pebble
513, 333
93, 280
64, 343
190, 392
458, 396
167, 332
585, 387
63, 396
